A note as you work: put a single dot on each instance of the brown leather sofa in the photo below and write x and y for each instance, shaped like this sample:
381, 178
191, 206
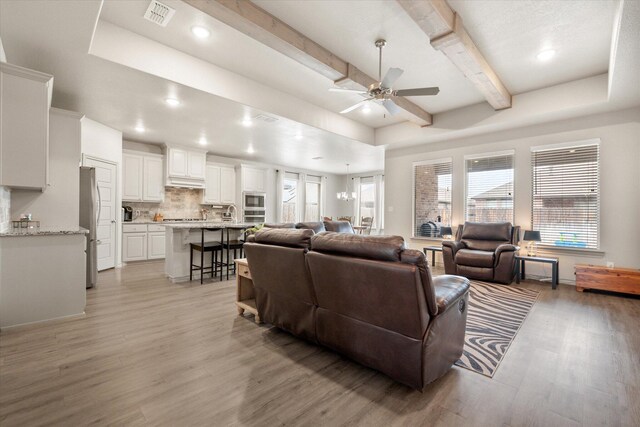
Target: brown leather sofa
367, 297
483, 251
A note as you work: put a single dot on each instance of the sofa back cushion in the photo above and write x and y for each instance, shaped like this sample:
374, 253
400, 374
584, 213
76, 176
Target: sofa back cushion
338, 226
385, 294
283, 288
381, 248
290, 237
317, 227
486, 236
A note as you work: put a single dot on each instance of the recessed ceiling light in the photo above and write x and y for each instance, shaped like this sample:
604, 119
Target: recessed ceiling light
200, 32
546, 55
172, 101
202, 141
247, 122
250, 150
140, 128
366, 109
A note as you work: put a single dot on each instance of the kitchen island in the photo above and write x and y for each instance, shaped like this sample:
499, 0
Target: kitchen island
180, 235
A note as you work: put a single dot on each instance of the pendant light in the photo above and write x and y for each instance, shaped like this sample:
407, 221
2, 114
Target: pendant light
346, 195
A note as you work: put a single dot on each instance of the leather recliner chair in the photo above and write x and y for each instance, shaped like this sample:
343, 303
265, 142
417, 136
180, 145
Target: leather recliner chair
483, 251
371, 299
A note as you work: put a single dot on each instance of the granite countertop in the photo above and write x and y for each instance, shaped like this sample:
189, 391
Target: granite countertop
44, 231
149, 221
204, 224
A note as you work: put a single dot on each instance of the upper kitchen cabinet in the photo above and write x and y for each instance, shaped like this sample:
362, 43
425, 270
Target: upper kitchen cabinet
25, 98
220, 185
142, 177
254, 179
186, 168
152, 179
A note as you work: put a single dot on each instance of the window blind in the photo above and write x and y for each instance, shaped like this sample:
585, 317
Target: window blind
489, 195
566, 196
432, 197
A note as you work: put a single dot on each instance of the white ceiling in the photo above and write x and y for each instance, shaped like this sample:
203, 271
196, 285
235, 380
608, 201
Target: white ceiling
55, 37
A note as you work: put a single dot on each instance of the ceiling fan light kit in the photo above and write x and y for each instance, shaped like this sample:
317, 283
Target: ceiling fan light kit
382, 90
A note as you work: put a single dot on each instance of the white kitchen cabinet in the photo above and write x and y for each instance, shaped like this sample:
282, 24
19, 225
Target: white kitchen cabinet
212, 185
142, 177
155, 245
186, 168
153, 179
220, 185
178, 162
196, 164
134, 246
132, 166
227, 185
142, 241
254, 179
25, 98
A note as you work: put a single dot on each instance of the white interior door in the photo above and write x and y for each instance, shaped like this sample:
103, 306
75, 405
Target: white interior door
107, 211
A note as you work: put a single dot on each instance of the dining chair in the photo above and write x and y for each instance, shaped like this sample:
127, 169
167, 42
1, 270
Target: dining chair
366, 221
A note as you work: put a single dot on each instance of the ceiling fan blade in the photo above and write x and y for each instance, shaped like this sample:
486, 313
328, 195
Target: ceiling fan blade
417, 92
392, 75
353, 107
391, 106
339, 89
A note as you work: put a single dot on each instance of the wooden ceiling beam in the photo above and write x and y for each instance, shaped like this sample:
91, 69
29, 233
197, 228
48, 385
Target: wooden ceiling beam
447, 34
257, 23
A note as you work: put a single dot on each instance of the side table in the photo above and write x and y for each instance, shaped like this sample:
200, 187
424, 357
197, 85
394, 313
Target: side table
433, 250
521, 259
245, 294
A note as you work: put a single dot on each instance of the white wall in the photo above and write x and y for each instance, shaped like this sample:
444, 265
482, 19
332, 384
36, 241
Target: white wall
619, 133
103, 142
58, 205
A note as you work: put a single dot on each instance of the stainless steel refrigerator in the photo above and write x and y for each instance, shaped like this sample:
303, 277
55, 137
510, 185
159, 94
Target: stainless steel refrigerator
89, 220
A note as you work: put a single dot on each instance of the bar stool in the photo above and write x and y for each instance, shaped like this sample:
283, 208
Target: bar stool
214, 247
234, 245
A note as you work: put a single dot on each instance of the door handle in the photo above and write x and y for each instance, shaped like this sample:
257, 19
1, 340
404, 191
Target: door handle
113, 221
98, 242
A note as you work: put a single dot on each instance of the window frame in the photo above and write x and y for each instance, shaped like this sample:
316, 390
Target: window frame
317, 180
502, 153
561, 146
413, 194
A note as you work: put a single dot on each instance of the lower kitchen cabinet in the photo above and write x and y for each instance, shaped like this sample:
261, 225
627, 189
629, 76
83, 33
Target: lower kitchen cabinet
155, 245
142, 242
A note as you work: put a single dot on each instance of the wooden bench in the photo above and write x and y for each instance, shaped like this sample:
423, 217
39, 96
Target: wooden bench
624, 280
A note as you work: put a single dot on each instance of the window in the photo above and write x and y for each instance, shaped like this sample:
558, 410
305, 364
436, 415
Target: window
565, 195
367, 199
489, 196
290, 197
432, 197
312, 198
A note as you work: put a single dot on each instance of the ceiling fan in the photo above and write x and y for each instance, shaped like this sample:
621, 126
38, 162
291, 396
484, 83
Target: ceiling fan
382, 90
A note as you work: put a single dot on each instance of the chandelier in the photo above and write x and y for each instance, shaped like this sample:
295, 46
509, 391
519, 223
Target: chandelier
346, 195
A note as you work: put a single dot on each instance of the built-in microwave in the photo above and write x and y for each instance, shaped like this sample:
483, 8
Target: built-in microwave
254, 201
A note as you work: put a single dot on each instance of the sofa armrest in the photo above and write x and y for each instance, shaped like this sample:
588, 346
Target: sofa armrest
453, 245
506, 247
449, 289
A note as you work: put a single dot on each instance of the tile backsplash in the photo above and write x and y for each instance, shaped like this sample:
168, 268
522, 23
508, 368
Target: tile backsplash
178, 203
5, 209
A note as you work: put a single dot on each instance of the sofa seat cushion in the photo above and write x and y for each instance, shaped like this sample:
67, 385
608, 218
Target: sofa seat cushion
475, 258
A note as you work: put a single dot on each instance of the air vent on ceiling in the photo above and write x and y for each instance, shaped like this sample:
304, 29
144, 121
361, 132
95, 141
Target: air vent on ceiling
265, 118
159, 13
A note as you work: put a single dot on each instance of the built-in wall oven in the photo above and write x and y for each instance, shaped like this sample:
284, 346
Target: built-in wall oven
253, 208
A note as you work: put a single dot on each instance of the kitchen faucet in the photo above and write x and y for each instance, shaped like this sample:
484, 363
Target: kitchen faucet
235, 212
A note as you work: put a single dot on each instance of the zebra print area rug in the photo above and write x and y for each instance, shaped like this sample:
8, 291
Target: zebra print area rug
496, 313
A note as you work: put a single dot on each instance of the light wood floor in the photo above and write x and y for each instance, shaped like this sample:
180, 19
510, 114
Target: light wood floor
150, 352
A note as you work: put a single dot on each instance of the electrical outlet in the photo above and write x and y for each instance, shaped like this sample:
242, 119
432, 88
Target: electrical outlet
610, 264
